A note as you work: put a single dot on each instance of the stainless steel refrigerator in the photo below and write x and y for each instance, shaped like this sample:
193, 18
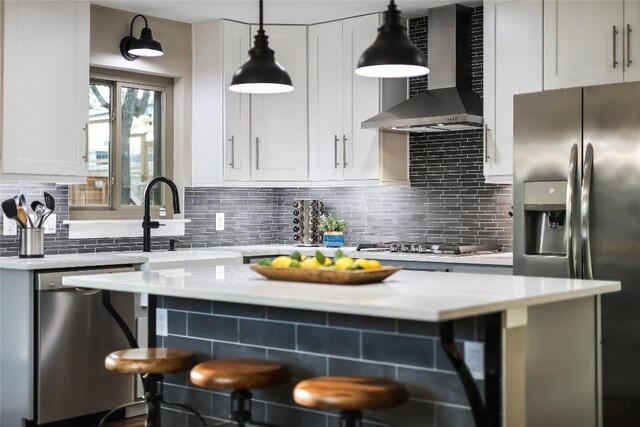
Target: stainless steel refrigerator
577, 214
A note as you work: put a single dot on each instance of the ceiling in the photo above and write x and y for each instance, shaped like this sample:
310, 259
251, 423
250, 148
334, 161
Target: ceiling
275, 11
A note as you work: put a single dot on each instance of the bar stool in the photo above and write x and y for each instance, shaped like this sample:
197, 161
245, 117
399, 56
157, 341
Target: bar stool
350, 395
151, 364
239, 376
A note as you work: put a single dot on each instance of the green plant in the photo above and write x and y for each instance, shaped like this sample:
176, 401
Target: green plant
332, 223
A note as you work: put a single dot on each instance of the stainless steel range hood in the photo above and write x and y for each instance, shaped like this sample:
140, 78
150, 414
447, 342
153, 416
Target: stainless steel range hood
449, 103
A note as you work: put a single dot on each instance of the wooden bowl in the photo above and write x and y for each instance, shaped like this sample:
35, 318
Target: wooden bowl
331, 277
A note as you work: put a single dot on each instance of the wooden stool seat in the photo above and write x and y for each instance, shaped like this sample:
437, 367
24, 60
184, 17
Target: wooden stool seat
150, 360
350, 393
239, 374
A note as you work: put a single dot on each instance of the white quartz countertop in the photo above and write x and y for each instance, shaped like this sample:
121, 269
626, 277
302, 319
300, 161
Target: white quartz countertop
499, 259
71, 261
416, 295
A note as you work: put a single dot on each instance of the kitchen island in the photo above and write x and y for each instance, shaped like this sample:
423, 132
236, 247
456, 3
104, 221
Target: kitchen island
392, 329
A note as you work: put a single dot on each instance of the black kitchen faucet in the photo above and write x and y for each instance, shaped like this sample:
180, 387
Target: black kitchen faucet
147, 224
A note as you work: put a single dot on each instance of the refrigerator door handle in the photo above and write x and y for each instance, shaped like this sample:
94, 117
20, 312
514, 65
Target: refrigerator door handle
585, 213
568, 229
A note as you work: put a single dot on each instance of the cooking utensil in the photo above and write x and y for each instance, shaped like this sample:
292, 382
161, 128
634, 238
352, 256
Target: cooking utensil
23, 218
16, 199
24, 204
10, 209
50, 205
38, 209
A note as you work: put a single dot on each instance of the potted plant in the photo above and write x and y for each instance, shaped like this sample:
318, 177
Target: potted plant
332, 229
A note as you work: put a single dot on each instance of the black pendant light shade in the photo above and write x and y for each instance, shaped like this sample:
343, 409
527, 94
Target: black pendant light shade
392, 54
261, 73
133, 48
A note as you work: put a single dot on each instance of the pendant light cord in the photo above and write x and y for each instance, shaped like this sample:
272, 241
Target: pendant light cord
261, 16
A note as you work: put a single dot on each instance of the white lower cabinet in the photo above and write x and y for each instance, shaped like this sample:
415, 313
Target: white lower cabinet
279, 140
45, 103
512, 65
340, 100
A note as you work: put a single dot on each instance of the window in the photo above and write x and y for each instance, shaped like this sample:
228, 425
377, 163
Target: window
128, 145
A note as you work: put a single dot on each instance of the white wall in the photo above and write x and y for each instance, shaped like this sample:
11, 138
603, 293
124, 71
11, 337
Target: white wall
108, 26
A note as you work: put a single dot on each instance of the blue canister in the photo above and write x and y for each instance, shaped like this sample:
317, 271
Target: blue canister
333, 239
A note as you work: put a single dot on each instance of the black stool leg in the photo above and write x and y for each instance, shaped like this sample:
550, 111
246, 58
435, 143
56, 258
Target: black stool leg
350, 419
241, 407
153, 398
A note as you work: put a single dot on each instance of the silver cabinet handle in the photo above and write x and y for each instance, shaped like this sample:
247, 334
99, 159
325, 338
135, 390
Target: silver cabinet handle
344, 151
615, 46
233, 154
486, 143
629, 62
86, 143
568, 227
585, 212
335, 151
257, 153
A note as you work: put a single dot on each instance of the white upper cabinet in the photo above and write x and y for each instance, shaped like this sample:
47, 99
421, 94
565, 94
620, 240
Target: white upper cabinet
583, 43
632, 41
237, 163
221, 118
340, 100
512, 65
46, 90
325, 102
279, 140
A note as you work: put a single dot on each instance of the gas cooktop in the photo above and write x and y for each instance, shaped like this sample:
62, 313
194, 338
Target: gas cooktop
430, 248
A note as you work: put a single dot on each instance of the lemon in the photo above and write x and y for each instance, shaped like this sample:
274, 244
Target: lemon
281, 262
373, 264
294, 263
303, 257
362, 263
327, 261
344, 262
310, 263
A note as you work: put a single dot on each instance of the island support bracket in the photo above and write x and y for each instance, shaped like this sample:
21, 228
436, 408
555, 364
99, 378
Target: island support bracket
484, 415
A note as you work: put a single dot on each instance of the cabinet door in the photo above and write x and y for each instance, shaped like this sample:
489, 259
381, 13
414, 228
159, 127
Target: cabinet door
279, 138
361, 100
236, 44
579, 41
46, 88
632, 41
325, 101
512, 65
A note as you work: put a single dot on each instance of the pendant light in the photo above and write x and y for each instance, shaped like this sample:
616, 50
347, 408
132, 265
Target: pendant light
261, 73
132, 48
392, 54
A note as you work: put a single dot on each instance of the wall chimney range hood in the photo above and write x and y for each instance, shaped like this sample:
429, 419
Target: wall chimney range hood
449, 104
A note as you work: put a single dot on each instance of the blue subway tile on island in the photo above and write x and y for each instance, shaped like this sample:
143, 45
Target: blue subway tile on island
451, 416
212, 327
201, 348
267, 333
185, 304
177, 322
361, 368
223, 350
362, 322
435, 386
239, 310
198, 399
332, 341
398, 349
297, 315
414, 327
301, 365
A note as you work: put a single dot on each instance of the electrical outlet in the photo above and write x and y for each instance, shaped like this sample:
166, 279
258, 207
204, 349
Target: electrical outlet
9, 227
162, 327
219, 221
50, 225
474, 358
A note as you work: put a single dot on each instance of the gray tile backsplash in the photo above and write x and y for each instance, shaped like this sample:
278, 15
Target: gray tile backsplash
448, 199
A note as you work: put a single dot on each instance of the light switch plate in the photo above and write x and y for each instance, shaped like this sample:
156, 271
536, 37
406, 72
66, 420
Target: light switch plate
219, 221
474, 358
9, 227
162, 322
50, 225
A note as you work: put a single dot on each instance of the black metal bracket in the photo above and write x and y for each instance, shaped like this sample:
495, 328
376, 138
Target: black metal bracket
106, 303
447, 340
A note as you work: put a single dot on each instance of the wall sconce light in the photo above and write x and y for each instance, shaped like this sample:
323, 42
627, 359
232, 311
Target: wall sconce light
133, 48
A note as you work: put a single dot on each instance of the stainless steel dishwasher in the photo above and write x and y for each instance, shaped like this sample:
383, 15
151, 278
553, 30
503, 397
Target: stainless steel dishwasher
74, 334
